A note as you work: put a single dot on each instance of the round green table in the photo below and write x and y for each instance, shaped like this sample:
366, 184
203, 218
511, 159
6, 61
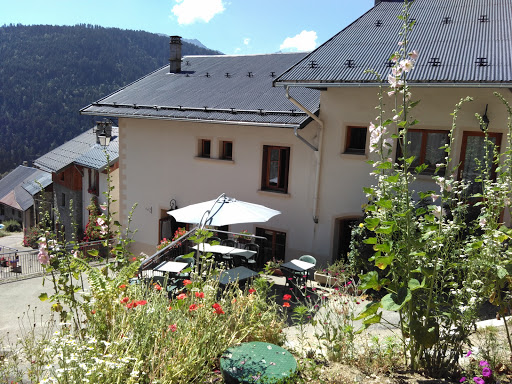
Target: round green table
257, 362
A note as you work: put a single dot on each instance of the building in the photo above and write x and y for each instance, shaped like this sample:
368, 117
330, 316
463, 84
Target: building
207, 125
21, 193
79, 173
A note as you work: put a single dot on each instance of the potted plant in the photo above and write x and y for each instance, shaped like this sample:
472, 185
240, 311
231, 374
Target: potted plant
3, 262
335, 275
273, 267
243, 237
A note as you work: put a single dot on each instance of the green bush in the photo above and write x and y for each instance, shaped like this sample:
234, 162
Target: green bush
12, 226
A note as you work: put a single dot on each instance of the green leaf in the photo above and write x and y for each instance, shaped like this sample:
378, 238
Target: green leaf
501, 272
93, 252
393, 178
375, 319
384, 229
420, 168
370, 280
396, 301
384, 247
370, 240
369, 310
477, 244
369, 191
385, 165
43, 296
415, 284
371, 223
385, 203
382, 262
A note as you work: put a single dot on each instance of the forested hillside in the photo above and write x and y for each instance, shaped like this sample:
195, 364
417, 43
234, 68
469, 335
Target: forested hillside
47, 73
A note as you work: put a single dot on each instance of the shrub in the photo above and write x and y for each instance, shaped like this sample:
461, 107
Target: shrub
12, 226
31, 237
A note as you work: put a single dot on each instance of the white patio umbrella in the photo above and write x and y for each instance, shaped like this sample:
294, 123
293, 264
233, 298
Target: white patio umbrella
223, 211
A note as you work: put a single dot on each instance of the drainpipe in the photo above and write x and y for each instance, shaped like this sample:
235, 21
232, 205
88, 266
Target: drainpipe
318, 151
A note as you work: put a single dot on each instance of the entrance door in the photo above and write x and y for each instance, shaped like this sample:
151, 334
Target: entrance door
473, 157
343, 233
273, 248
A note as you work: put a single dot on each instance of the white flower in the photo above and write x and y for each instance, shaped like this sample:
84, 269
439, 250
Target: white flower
482, 222
406, 65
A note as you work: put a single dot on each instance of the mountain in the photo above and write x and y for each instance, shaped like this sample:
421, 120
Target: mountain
47, 73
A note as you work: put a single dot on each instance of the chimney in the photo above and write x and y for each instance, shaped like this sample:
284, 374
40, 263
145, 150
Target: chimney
175, 58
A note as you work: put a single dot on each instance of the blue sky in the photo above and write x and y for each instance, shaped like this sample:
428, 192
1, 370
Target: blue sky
230, 26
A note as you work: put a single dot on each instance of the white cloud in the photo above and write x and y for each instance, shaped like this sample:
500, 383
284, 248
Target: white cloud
304, 41
189, 11
247, 41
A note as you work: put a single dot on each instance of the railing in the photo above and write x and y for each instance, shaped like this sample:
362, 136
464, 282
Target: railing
16, 264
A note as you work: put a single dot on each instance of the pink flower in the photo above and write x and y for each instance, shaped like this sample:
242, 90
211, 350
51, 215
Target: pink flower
478, 380
486, 372
43, 256
413, 55
103, 207
469, 353
484, 363
173, 327
406, 65
462, 379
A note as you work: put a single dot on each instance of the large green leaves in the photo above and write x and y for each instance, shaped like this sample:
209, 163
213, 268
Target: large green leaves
396, 301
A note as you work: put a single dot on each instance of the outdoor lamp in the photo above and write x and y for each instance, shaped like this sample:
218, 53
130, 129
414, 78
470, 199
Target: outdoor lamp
103, 130
485, 120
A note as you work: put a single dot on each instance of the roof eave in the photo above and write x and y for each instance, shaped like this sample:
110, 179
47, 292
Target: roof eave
325, 84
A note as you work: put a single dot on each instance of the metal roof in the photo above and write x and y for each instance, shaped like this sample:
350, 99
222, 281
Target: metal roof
232, 89
19, 186
81, 150
460, 34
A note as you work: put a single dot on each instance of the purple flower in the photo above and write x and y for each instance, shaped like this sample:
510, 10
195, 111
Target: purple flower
462, 379
469, 353
478, 380
484, 363
486, 372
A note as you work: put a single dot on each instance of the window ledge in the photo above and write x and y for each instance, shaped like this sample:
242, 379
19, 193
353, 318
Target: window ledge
269, 192
354, 156
214, 159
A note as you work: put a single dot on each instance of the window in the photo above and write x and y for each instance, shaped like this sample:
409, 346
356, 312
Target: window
205, 147
425, 145
275, 168
94, 182
273, 246
473, 158
356, 140
19, 214
226, 150
2, 210
63, 200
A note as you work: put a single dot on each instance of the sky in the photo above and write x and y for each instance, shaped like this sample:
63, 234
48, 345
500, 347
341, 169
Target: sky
234, 27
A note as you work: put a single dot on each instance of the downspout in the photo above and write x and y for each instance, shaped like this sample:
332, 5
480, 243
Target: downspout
318, 151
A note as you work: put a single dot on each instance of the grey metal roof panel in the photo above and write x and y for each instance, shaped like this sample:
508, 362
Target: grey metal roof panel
457, 44
66, 154
14, 184
211, 88
96, 156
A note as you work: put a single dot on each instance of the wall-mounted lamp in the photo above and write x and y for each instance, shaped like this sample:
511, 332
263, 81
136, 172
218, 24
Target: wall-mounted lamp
485, 120
173, 205
103, 130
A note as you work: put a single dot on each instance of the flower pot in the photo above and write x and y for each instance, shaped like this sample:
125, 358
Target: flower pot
325, 279
276, 272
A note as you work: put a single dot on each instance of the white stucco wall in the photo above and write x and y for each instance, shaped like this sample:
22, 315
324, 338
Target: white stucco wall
158, 162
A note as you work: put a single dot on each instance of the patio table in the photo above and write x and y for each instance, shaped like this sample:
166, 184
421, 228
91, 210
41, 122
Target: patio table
257, 362
171, 266
225, 250
296, 265
240, 274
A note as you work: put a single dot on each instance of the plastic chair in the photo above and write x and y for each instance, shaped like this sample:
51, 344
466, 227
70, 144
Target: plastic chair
307, 259
253, 262
228, 243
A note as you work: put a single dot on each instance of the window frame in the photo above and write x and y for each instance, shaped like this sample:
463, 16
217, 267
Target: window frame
423, 149
497, 135
355, 151
223, 151
283, 169
202, 147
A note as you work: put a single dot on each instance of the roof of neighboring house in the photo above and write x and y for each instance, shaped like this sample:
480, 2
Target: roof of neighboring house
229, 89
19, 186
82, 150
471, 40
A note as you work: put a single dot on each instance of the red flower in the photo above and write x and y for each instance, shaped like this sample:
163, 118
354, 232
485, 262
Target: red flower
251, 291
173, 327
170, 308
186, 282
122, 287
134, 258
287, 297
286, 304
142, 302
93, 312
181, 296
133, 304
193, 307
200, 295
217, 309
125, 300
158, 287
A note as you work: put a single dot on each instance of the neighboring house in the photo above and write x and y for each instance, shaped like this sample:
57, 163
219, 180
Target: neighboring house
78, 169
21, 192
215, 124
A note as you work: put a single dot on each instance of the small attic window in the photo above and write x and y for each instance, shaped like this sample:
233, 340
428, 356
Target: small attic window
447, 20
434, 62
481, 62
378, 23
483, 19
350, 63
